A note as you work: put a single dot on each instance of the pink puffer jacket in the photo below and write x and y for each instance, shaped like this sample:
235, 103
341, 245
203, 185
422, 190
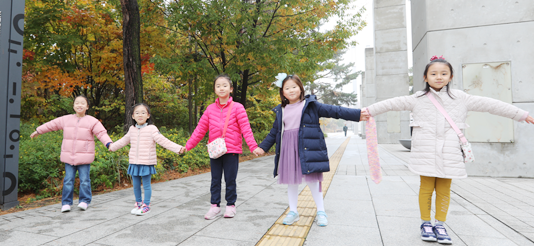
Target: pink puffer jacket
213, 120
143, 144
78, 145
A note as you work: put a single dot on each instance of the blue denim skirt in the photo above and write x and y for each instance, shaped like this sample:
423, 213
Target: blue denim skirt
141, 170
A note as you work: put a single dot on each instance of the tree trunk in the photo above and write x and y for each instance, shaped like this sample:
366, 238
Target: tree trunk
133, 84
190, 106
196, 103
244, 85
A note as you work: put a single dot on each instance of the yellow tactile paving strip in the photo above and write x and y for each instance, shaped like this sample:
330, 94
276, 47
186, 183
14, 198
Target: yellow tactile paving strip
289, 235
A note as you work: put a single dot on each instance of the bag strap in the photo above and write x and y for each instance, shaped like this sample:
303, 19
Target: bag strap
444, 113
227, 118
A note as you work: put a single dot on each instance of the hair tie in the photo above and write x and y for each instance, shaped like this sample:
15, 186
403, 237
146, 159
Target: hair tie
436, 58
280, 79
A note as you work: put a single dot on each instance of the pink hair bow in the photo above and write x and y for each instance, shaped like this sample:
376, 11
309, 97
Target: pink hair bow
436, 57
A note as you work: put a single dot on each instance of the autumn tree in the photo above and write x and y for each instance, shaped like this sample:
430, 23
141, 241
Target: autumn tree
253, 40
71, 48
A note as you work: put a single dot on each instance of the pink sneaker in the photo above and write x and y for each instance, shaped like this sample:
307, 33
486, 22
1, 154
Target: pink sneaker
144, 210
214, 211
82, 206
65, 208
230, 211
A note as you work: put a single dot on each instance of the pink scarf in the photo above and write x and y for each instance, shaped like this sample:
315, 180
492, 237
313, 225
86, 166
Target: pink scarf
372, 150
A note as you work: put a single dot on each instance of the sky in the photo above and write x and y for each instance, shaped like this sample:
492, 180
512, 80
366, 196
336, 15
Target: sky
365, 39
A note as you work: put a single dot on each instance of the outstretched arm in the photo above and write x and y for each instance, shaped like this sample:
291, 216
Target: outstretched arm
53, 125
338, 112
166, 143
121, 143
496, 107
404, 103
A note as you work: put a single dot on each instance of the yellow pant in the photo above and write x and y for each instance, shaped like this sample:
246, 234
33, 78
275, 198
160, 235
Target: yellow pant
443, 197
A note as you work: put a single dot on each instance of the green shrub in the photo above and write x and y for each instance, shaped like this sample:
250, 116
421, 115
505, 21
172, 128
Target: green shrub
42, 172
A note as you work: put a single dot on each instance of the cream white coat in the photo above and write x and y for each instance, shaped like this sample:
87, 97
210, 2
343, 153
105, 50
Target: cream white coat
436, 148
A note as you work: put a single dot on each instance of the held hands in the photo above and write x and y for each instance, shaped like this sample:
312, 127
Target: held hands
529, 120
34, 134
258, 151
364, 115
183, 150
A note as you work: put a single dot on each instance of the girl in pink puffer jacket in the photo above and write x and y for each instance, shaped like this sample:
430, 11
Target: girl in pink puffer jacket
213, 120
143, 137
77, 149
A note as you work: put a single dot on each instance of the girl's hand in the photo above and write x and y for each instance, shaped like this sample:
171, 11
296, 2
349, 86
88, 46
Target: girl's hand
35, 133
530, 120
258, 151
364, 115
183, 150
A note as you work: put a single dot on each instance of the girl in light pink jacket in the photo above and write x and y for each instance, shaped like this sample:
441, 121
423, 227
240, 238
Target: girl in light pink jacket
77, 149
143, 137
436, 154
213, 121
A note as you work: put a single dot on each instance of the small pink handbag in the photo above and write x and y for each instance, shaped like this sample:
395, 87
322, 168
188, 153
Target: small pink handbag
466, 146
217, 148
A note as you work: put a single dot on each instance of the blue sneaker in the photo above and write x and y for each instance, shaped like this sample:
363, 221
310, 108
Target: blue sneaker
427, 232
442, 235
291, 218
322, 218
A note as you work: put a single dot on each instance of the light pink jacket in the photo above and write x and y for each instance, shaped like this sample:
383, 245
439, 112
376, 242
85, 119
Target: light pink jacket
436, 148
78, 145
213, 120
143, 144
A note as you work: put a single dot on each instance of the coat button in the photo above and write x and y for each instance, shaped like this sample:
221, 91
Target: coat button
305, 148
304, 125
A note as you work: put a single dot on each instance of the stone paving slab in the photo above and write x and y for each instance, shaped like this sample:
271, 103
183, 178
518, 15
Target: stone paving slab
483, 211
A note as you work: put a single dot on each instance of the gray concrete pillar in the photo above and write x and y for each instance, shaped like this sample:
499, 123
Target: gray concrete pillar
391, 66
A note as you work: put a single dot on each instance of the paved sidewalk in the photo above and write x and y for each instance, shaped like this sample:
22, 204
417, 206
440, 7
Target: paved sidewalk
483, 211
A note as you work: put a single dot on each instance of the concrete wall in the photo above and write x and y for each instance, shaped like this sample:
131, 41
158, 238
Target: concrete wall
390, 66
481, 31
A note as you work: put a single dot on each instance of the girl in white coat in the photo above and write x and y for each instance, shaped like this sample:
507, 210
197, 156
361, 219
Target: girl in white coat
436, 154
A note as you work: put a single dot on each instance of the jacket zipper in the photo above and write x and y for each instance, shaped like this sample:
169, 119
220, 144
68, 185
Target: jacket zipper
137, 152
75, 137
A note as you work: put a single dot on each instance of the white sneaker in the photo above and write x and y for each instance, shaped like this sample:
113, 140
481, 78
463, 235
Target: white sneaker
138, 206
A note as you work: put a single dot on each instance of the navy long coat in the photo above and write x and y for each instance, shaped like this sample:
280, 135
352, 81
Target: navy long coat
312, 146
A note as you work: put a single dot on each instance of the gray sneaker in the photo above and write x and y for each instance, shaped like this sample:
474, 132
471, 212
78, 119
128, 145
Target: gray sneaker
322, 218
291, 218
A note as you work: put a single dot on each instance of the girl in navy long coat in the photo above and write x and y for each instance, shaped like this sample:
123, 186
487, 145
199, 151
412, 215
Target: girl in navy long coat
300, 146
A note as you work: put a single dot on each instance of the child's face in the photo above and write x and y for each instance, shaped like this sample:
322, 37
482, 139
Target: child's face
223, 88
438, 76
80, 105
140, 114
291, 91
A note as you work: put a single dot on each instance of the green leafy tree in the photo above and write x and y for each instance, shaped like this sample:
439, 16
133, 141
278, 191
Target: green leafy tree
252, 41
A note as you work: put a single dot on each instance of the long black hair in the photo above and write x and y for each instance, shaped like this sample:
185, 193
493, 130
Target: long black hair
427, 86
149, 120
